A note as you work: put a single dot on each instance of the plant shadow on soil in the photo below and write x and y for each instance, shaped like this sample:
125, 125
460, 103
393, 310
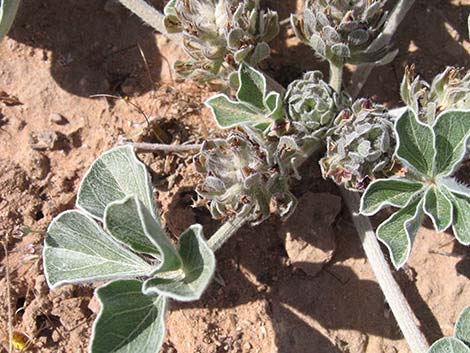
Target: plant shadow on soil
92, 45
302, 309
431, 37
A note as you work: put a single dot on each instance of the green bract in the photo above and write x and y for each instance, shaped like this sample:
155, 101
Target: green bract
220, 34
254, 106
8, 9
116, 191
341, 31
312, 105
360, 146
431, 154
449, 90
460, 343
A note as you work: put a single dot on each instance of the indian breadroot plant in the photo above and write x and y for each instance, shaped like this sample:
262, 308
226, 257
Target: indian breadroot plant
404, 158
116, 236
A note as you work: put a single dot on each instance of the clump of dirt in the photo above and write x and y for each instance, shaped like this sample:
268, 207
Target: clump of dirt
51, 131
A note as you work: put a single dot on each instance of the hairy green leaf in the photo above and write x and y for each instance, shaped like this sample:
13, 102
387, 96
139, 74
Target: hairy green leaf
399, 230
388, 192
274, 104
252, 87
462, 327
461, 222
113, 176
129, 321
198, 267
170, 8
229, 113
452, 129
8, 9
448, 345
438, 207
77, 250
453, 186
132, 224
415, 143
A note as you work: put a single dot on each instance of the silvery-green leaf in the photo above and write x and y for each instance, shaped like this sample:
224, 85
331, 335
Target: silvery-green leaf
229, 113
449, 345
438, 207
453, 186
358, 37
310, 23
128, 321
388, 192
341, 50
234, 37
77, 250
329, 33
274, 104
318, 45
452, 129
170, 8
462, 327
198, 267
461, 221
8, 9
261, 52
415, 143
398, 231
113, 176
132, 224
241, 54
322, 19
252, 86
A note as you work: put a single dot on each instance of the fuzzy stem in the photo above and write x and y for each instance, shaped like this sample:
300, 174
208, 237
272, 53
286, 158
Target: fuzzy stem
161, 147
336, 76
149, 15
397, 15
393, 295
225, 232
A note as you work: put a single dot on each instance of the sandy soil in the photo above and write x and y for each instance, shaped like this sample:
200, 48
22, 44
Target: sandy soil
264, 299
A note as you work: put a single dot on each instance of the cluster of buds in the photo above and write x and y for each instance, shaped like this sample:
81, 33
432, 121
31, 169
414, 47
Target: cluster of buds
241, 177
448, 90
312, 105
220, 34
341, 31
360, 147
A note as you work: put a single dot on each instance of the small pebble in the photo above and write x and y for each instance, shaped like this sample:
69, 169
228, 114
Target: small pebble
58, 119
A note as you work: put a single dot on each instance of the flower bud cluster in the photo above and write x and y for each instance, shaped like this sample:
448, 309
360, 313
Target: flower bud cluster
361, 146
220, 34
340, 31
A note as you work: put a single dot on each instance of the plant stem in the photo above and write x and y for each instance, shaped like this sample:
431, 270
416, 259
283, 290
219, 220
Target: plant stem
336, 76
149, 15
225, 232
392, 292
161, 147
397, 15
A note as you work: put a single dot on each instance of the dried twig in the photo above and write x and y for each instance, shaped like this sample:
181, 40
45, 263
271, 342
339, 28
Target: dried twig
161, 147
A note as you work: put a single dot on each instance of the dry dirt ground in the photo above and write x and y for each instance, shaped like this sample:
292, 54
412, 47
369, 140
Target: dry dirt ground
265, 299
